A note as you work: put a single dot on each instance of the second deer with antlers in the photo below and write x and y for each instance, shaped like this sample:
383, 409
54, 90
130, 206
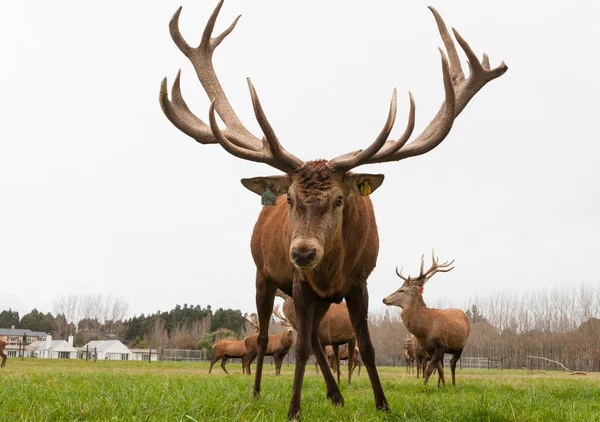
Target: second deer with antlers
437, 331
319, 242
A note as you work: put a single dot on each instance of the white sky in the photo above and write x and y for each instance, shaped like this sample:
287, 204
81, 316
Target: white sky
99, 193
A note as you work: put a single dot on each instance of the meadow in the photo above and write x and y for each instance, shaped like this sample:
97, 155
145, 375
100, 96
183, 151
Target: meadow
65, 390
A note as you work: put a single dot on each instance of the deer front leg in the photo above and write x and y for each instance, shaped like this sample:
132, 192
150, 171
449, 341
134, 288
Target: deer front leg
336, 360
351, 345
304, 303
265, 295
223, 362
358, 307
333, 389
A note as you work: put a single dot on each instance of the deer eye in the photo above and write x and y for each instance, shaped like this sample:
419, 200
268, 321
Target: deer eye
338, 202
289, 199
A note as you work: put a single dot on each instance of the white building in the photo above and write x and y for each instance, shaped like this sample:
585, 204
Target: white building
108, 349
144, 354
51, 349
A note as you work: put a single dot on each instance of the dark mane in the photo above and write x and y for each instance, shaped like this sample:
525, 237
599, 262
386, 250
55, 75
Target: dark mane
314, 178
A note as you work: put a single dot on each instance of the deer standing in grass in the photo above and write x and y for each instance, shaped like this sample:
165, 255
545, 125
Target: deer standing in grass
278, 345
334, 329
437, 331
409, 358
319, 242
2, 354
343, 355
225, 349
420, 355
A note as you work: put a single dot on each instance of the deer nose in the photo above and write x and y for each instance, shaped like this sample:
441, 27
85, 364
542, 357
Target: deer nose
303, 257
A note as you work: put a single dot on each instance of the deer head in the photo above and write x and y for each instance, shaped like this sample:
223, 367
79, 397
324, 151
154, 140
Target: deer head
289, 330
316, 191
412, 288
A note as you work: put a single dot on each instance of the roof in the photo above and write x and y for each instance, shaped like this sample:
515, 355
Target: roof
20, 332
107, 346
55, 346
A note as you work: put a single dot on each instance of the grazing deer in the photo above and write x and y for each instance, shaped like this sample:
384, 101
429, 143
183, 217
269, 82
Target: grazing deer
2, 354
334, 329
319, 242
278, 345
437, 331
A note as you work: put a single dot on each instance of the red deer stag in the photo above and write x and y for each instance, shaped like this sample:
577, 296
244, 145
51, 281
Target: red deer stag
225, 349
2, 354
278, 345
437, 331
319, 242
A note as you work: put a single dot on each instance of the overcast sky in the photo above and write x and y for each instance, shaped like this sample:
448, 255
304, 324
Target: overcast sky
100, 193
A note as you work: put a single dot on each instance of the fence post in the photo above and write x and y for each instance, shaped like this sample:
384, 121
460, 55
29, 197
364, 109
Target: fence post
150, 356
87, 352
95, 353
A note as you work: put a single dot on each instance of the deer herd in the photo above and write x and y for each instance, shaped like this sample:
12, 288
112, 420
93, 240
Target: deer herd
315, 242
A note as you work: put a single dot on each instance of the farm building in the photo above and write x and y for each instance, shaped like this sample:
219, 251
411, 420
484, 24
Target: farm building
13, 336
51, 349
144, 354
108, 349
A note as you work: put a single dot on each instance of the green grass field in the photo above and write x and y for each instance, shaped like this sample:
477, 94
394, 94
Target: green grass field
63, 390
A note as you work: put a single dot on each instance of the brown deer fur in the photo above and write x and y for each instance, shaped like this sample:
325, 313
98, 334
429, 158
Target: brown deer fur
319, 243
225, 349
278, 347
420, 355
335, 329
2, 354
438, 331
343, 355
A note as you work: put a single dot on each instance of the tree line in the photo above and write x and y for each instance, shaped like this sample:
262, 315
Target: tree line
559, 324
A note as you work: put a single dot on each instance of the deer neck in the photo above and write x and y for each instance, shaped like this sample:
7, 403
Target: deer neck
415, 317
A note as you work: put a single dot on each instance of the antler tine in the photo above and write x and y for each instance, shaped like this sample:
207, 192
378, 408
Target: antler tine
278, 152
459, 91
436, 267
279, 315
235, 139
346, 162
251, 321
390, 147
399, 274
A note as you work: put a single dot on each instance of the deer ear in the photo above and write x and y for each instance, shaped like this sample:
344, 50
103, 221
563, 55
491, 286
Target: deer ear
363, 184
277, 184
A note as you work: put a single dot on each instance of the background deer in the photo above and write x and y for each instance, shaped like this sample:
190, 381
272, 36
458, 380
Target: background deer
420, 355
343, 355
278, 345
334, 329
2, 354
225, 349
438, 331
409, 358
319, 242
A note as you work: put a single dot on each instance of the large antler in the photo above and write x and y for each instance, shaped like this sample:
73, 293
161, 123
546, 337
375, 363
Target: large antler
459, 91
236, 139
279, 315
251, 321
424, 276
